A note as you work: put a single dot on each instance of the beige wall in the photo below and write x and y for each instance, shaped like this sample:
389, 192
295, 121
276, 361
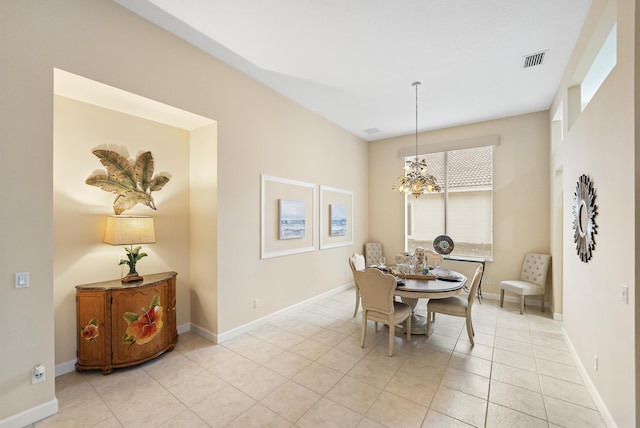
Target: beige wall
521, 191
259, 131
601, 144
203, 253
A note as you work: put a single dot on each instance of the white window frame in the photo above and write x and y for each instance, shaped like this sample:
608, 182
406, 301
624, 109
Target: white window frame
445, 148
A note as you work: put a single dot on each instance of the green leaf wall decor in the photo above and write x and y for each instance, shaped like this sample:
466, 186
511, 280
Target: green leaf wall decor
132, 184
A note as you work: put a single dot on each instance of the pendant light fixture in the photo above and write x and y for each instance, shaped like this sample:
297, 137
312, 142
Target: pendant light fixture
416, 180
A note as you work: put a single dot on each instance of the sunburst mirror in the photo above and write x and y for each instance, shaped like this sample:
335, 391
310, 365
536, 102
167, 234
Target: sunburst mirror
584, 214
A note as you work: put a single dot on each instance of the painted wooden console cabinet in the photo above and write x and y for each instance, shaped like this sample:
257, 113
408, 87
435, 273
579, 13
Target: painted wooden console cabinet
120, 325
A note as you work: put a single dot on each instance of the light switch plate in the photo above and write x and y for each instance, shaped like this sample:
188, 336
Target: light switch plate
22, 279
624, 293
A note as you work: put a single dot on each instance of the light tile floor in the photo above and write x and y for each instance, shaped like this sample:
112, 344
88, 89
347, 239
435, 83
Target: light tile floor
306, 369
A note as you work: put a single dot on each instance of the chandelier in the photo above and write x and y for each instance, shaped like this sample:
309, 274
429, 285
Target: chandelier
416, 180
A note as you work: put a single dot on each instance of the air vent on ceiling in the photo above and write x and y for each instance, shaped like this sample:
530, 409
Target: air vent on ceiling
371, 131
534, 59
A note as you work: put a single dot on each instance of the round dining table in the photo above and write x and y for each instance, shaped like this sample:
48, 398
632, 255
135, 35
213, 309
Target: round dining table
447, 284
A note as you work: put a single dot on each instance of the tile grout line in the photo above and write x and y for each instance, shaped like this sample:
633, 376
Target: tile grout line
486, 412
340, 326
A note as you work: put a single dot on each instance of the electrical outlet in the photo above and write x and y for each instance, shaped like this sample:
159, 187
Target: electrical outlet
256, 303
37, 374
595, 362
624, 293
487, 281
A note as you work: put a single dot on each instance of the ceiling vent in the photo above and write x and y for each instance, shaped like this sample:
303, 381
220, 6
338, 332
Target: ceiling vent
371, 131
534, 59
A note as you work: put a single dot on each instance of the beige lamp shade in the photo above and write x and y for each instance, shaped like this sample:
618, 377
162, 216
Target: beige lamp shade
129, 230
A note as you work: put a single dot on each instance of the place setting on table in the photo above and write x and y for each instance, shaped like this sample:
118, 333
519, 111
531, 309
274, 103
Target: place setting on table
416, 266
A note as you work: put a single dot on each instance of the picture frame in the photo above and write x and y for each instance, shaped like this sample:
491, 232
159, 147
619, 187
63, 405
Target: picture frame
336, 217
287, 216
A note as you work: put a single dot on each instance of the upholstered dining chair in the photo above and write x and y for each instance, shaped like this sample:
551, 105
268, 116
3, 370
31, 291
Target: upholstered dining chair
373, 253
356, 262
402, 258
533, 278
456, 305
378, 305
429, 255
432, 257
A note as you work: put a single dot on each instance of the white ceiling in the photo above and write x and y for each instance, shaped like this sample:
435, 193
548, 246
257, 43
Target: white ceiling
353, 61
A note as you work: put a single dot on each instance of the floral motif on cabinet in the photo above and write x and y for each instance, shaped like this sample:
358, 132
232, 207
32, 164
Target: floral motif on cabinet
90, 331
143, 326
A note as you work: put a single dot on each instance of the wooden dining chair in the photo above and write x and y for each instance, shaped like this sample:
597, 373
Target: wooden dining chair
456, 305
378, 305
356, 263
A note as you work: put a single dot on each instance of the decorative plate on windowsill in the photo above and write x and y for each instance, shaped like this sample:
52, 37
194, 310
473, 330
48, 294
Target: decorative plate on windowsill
443, 244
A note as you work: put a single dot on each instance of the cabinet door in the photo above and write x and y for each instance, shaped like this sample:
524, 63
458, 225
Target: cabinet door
93, 338
139, 322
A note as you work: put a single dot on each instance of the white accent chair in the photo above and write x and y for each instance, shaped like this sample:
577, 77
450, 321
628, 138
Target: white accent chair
373, 253
402, 258
456, 305
356, 262
432, 257
532, 279
376, 292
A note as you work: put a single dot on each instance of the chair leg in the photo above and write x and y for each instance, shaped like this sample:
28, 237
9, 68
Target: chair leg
542, 302
521, 305
501, 297
355, 311
429, 321
470, 330
364, 328
407, 326
392, 333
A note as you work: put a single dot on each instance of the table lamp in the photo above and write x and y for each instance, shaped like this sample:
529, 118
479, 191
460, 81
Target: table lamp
130, 230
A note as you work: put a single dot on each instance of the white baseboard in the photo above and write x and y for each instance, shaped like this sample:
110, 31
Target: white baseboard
203, 332
69, 366
246, 327
31, 415
50, 408
66, 367
184, 328
593, 391
492, 296
535, 301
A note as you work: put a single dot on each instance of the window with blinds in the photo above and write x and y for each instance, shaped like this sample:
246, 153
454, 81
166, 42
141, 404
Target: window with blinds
463, 210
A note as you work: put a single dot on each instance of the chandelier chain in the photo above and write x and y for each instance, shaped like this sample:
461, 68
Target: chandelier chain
416, 84
416, 180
